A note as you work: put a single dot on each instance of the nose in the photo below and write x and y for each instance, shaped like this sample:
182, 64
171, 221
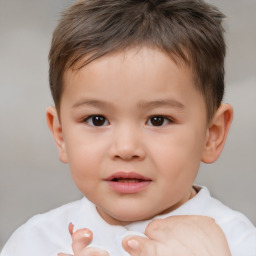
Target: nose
127, 144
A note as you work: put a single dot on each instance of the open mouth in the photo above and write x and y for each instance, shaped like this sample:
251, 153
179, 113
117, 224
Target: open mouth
123, 180
127, 177
128, 183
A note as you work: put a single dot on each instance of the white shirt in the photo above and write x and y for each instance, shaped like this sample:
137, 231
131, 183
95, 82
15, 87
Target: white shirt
47, 234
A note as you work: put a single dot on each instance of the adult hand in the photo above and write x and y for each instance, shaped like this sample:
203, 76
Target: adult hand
80, 240
180, 236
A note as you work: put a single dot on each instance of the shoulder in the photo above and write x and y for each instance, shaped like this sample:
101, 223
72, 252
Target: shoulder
240, 232
44, 234
222, 214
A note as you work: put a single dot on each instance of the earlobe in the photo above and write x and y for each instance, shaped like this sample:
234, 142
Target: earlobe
56, 130
217, 133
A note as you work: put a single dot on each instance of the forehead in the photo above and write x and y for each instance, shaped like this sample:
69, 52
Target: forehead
131, 74
134, 60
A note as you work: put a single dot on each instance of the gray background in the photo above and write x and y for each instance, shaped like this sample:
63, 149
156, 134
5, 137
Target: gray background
31, 178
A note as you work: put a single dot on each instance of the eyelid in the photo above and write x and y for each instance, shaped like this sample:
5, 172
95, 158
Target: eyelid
85, 120
169, 120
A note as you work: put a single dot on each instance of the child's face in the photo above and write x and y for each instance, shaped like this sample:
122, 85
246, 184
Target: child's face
134, 129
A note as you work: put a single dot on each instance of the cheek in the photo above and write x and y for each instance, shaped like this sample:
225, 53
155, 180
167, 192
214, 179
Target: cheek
84, 168
178, 153
85, 155
83, 145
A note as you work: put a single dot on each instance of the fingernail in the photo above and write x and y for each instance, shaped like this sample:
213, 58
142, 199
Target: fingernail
70, 228
133, 244
87, 233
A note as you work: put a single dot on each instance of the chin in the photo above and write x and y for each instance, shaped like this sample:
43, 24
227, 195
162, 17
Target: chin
131, 215
125, 212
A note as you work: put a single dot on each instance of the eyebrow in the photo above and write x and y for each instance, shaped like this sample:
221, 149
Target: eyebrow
91, 102
162, 103
143, 104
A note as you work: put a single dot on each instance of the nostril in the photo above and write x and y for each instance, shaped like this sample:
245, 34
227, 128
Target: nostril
127, 156
126, 149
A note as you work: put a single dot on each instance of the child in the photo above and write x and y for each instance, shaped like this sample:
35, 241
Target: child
138, 88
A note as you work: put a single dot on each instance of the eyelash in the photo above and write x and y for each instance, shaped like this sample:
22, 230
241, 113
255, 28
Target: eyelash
163, 120
102, 121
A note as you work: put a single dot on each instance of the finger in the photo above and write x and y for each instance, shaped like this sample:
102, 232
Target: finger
81, 239
163, 230
71, 228
63, 254
157, 229
189, 233
140, 246
92, 251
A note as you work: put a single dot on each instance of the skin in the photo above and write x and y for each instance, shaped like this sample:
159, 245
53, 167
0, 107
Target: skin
173, 236
128, 90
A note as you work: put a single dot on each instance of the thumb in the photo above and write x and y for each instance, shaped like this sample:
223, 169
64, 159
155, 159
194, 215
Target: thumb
140, 246
81, 239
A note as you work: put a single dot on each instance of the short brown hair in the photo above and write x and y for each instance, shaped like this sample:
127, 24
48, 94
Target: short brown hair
187, 30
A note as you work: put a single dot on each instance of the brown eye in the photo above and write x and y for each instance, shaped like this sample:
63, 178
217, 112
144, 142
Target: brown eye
158, 121
97, 120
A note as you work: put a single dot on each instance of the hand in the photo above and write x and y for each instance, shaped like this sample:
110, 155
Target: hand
180, 236
81, 239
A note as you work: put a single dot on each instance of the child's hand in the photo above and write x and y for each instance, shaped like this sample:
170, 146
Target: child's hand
180, 235
81, 239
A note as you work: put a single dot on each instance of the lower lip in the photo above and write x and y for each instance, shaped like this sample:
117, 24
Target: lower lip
128, 187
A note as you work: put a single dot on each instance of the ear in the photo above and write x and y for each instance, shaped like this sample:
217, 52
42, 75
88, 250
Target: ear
56, 130
217, 133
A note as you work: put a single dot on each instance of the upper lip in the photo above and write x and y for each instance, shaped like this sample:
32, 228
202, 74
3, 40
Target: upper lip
127, 175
